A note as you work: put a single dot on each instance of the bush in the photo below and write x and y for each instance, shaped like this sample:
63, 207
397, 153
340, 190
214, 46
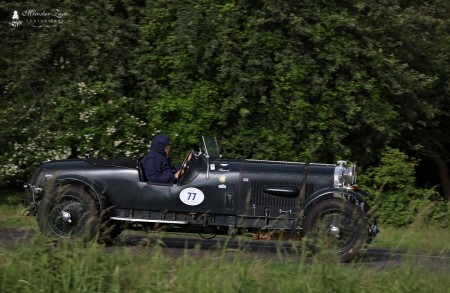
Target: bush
397, 199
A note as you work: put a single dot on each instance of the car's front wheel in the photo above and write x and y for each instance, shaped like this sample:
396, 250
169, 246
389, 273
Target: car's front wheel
337, 226
68, 212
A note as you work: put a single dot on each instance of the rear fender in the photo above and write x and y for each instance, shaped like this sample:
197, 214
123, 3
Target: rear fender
95, 189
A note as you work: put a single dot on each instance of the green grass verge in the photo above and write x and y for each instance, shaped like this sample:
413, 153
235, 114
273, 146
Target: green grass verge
11, 217
418, 239
78, 267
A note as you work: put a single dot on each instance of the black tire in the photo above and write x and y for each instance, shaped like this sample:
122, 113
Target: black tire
68, 212
336, 226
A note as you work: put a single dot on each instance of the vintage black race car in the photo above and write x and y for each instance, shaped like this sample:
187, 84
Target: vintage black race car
83, 198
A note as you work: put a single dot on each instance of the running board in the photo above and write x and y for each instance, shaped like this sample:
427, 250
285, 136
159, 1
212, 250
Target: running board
148, 221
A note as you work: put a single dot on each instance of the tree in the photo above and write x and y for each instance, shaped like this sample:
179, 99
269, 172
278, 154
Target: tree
417, 34
297, 80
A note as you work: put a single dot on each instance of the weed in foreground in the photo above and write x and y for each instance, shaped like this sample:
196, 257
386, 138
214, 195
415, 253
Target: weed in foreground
43, 266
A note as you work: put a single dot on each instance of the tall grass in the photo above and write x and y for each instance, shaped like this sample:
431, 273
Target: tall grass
42, 266
415, 239
78, 267
10, 216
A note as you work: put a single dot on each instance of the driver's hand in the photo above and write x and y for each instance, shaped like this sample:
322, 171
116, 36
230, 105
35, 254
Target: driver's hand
178, 174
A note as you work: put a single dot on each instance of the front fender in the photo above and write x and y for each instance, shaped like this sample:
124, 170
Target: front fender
328, 193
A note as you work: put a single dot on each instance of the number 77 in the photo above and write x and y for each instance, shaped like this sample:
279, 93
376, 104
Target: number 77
193, 194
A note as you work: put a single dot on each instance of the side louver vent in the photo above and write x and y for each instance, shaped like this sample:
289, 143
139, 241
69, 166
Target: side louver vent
259, 197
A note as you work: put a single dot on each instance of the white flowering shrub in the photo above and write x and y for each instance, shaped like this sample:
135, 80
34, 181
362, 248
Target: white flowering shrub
93, 120
26, 156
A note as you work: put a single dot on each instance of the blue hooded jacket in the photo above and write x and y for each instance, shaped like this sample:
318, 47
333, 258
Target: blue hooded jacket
157, 164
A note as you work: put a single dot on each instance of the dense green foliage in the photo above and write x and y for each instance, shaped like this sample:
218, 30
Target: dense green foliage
289, 80
397, 200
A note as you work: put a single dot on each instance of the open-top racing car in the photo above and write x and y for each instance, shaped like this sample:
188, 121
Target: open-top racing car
83, 198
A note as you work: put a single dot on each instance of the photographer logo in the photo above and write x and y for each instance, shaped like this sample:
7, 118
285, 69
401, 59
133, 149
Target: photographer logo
15, 22
39, 18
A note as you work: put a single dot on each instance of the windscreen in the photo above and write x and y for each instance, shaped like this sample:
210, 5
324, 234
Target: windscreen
211, 147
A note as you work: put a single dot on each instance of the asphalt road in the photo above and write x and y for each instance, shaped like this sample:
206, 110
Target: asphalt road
173, 245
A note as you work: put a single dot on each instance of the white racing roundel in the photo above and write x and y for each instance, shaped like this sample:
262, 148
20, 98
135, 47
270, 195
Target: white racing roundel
192, 196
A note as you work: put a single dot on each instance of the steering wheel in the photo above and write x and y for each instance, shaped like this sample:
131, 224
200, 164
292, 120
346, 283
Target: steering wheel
185, 164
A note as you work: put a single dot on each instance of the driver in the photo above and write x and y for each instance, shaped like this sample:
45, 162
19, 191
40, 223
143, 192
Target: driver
157, 164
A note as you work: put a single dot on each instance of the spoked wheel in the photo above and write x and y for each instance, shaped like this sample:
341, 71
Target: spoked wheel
336, 226
70, 212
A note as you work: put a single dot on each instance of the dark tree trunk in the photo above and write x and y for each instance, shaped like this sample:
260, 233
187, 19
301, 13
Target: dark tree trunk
443, 175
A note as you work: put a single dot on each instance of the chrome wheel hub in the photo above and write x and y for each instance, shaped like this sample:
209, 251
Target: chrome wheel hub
66, 216
334, 231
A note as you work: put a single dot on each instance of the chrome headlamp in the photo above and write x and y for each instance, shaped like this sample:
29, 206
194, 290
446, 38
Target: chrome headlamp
344, 177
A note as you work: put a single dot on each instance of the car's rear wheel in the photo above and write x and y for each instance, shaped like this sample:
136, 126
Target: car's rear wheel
68, 212
336, 226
